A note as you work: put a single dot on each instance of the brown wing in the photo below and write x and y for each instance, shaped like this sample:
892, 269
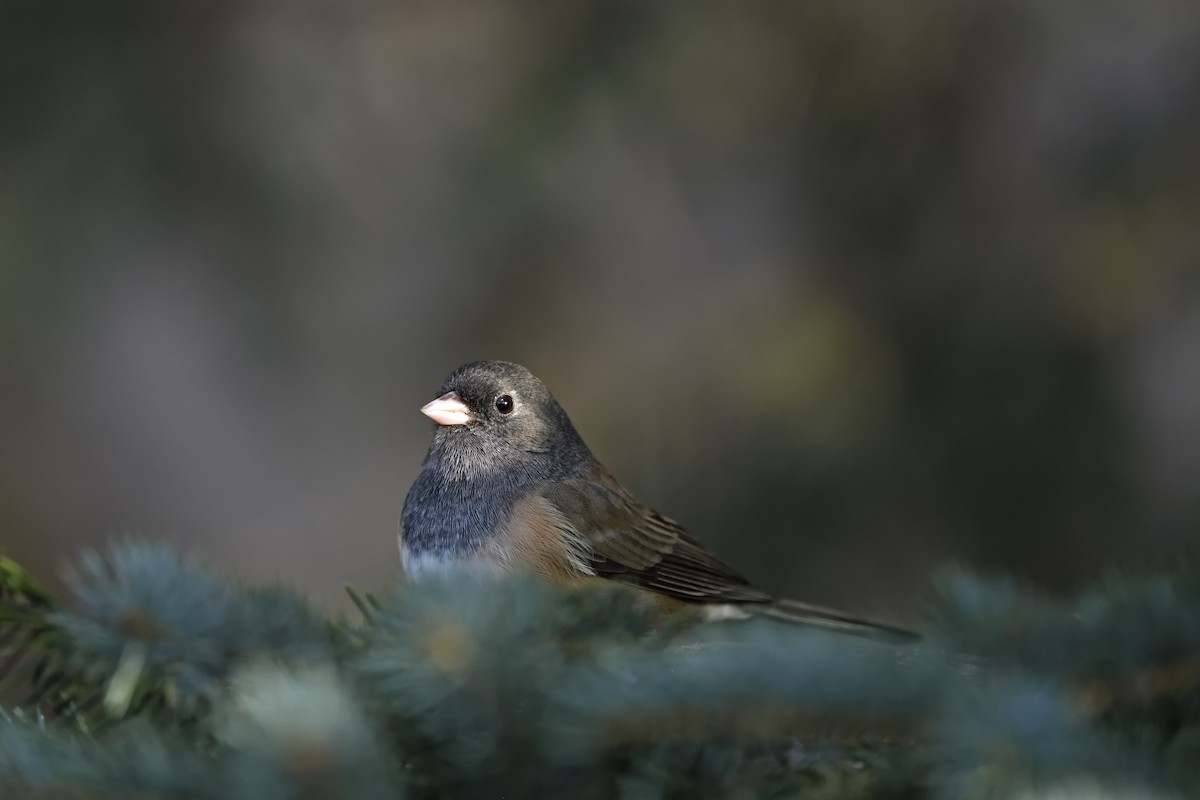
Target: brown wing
616, 536
631, 542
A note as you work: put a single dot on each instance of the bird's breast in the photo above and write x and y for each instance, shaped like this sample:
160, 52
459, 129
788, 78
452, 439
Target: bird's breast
447, 522
450, 526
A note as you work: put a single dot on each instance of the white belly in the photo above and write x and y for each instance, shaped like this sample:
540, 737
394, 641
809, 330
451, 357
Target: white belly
418, 566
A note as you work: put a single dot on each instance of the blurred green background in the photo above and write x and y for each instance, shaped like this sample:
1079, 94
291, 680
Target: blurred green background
851, 289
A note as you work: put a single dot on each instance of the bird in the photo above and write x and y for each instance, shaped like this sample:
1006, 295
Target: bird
509, 485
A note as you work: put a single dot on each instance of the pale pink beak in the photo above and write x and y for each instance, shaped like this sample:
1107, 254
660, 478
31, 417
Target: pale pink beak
449, 409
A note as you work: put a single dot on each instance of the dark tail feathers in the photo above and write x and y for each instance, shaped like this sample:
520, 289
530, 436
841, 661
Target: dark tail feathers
817, 616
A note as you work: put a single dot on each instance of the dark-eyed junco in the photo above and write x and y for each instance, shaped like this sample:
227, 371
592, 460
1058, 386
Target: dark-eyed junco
509, 484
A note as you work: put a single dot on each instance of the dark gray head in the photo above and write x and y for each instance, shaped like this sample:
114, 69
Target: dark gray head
494, 416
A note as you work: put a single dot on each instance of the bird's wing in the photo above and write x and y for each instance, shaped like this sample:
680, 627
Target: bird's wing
628, 541
623, 539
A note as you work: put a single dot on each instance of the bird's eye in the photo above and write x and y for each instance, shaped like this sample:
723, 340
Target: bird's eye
504, 404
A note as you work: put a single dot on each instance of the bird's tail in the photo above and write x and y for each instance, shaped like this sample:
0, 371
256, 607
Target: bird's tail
830, 619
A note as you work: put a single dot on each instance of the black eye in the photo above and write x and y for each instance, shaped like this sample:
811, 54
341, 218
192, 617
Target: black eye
504, 404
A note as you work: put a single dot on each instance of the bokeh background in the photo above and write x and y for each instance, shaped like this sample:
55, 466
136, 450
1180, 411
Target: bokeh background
852, 289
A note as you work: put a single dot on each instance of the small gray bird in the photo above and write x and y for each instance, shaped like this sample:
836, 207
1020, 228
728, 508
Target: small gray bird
508, 484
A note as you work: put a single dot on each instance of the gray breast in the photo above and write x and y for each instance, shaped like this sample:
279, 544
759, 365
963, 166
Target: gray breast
448, 521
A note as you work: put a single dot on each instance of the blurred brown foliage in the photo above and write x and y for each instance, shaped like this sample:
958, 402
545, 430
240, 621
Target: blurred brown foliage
851, 289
